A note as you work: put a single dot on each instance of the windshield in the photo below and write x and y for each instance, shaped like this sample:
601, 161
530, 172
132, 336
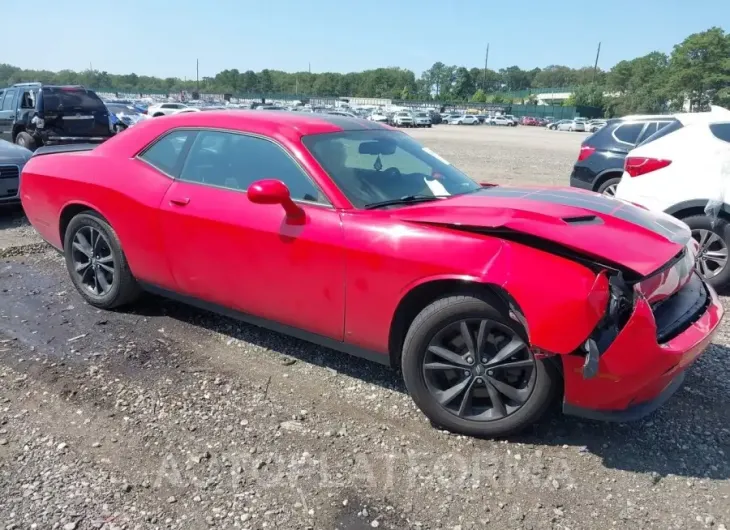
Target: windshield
118, 108
376, 166
70, 99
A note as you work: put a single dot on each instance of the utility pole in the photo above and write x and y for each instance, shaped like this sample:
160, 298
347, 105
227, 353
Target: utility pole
310, 68
486, 62
197, 75
595, 65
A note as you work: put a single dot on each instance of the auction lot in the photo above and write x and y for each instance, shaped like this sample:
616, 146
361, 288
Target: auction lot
164, 416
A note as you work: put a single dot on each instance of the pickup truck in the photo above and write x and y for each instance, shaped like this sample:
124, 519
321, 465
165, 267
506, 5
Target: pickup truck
34, 114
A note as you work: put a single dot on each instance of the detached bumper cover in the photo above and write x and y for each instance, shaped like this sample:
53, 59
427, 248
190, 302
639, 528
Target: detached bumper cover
637, 373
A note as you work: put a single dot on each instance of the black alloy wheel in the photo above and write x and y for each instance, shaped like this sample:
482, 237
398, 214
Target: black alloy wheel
479, 370
468, 365
96, 262
93, 261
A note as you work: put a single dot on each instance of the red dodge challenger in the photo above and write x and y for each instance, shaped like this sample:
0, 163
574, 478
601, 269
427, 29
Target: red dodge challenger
347, 233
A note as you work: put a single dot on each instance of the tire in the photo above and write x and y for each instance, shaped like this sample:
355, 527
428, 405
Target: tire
158, 115
608, 187
719, 279
123, 288
23, 139
433, 323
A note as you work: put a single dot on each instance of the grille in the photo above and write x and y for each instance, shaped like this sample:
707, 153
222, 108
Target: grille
9, 180
9, 172
678, 312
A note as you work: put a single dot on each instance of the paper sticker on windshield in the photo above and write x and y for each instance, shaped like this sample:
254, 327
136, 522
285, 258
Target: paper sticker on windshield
436, 156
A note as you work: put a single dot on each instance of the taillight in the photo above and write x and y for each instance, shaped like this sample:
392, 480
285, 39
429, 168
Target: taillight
585, 152
639, 165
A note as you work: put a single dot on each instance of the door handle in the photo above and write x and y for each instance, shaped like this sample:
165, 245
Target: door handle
180, 201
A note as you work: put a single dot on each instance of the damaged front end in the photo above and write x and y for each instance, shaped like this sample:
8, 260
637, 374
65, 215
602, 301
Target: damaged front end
653, 327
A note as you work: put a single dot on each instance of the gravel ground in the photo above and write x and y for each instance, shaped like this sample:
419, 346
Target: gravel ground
169, 417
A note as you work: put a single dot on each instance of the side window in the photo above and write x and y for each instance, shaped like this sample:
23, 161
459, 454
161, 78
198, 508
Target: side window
166, 106
665, 128
721, 131
9, 100
650, 129
235, 161
628, 133
167, 153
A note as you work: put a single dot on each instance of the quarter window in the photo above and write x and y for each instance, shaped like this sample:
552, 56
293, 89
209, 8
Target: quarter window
628, 133
167, 154
721, 131
235, 161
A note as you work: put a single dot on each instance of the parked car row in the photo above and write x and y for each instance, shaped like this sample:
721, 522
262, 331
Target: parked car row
677, 164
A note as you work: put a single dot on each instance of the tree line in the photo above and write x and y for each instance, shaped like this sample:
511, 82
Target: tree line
697, 70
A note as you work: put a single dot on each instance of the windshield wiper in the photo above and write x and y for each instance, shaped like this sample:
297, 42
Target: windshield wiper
407, 199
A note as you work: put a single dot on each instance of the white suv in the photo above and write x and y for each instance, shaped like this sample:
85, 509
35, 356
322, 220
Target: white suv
165, 109
684, 170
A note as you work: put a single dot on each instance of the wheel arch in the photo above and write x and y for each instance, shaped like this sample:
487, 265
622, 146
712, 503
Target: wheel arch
421, 295
71, 210
606, 175
686, 209
17, 129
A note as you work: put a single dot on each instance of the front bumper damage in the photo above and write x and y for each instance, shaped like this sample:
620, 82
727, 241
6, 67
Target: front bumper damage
643, 361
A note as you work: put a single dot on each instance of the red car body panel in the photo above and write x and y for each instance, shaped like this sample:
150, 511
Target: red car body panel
635, 369
341, 273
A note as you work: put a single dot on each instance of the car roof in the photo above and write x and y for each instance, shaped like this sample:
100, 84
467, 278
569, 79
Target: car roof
302, 123
686, 118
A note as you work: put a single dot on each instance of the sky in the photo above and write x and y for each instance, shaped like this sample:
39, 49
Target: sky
164, 38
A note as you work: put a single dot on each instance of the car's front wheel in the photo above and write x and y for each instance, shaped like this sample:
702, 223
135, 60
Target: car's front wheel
713, 236
470, 369
96, 263
23, 139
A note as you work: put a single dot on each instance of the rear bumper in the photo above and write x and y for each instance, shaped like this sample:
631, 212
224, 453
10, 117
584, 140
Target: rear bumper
636, 373
583, 178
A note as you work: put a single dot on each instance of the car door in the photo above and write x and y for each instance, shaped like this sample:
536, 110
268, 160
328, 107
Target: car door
7, 113
253, 258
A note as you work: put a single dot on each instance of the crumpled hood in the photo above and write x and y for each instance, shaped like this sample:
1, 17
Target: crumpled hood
584, 222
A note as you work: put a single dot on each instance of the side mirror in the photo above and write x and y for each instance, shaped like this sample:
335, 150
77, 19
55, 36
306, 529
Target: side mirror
271, 191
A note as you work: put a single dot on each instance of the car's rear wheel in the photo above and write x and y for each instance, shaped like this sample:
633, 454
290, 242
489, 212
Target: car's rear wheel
23, 139
713, 236
96, 263
469, 368
609, 187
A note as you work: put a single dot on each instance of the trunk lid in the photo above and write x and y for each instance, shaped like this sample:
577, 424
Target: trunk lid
587, 223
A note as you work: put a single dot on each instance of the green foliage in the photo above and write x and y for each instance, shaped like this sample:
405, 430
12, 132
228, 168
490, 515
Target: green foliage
698, 70
479, 96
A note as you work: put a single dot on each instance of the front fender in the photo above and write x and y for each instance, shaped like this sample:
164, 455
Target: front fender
562, 301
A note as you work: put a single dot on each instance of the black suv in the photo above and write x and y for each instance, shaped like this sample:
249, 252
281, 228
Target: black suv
601, 159
34, 114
